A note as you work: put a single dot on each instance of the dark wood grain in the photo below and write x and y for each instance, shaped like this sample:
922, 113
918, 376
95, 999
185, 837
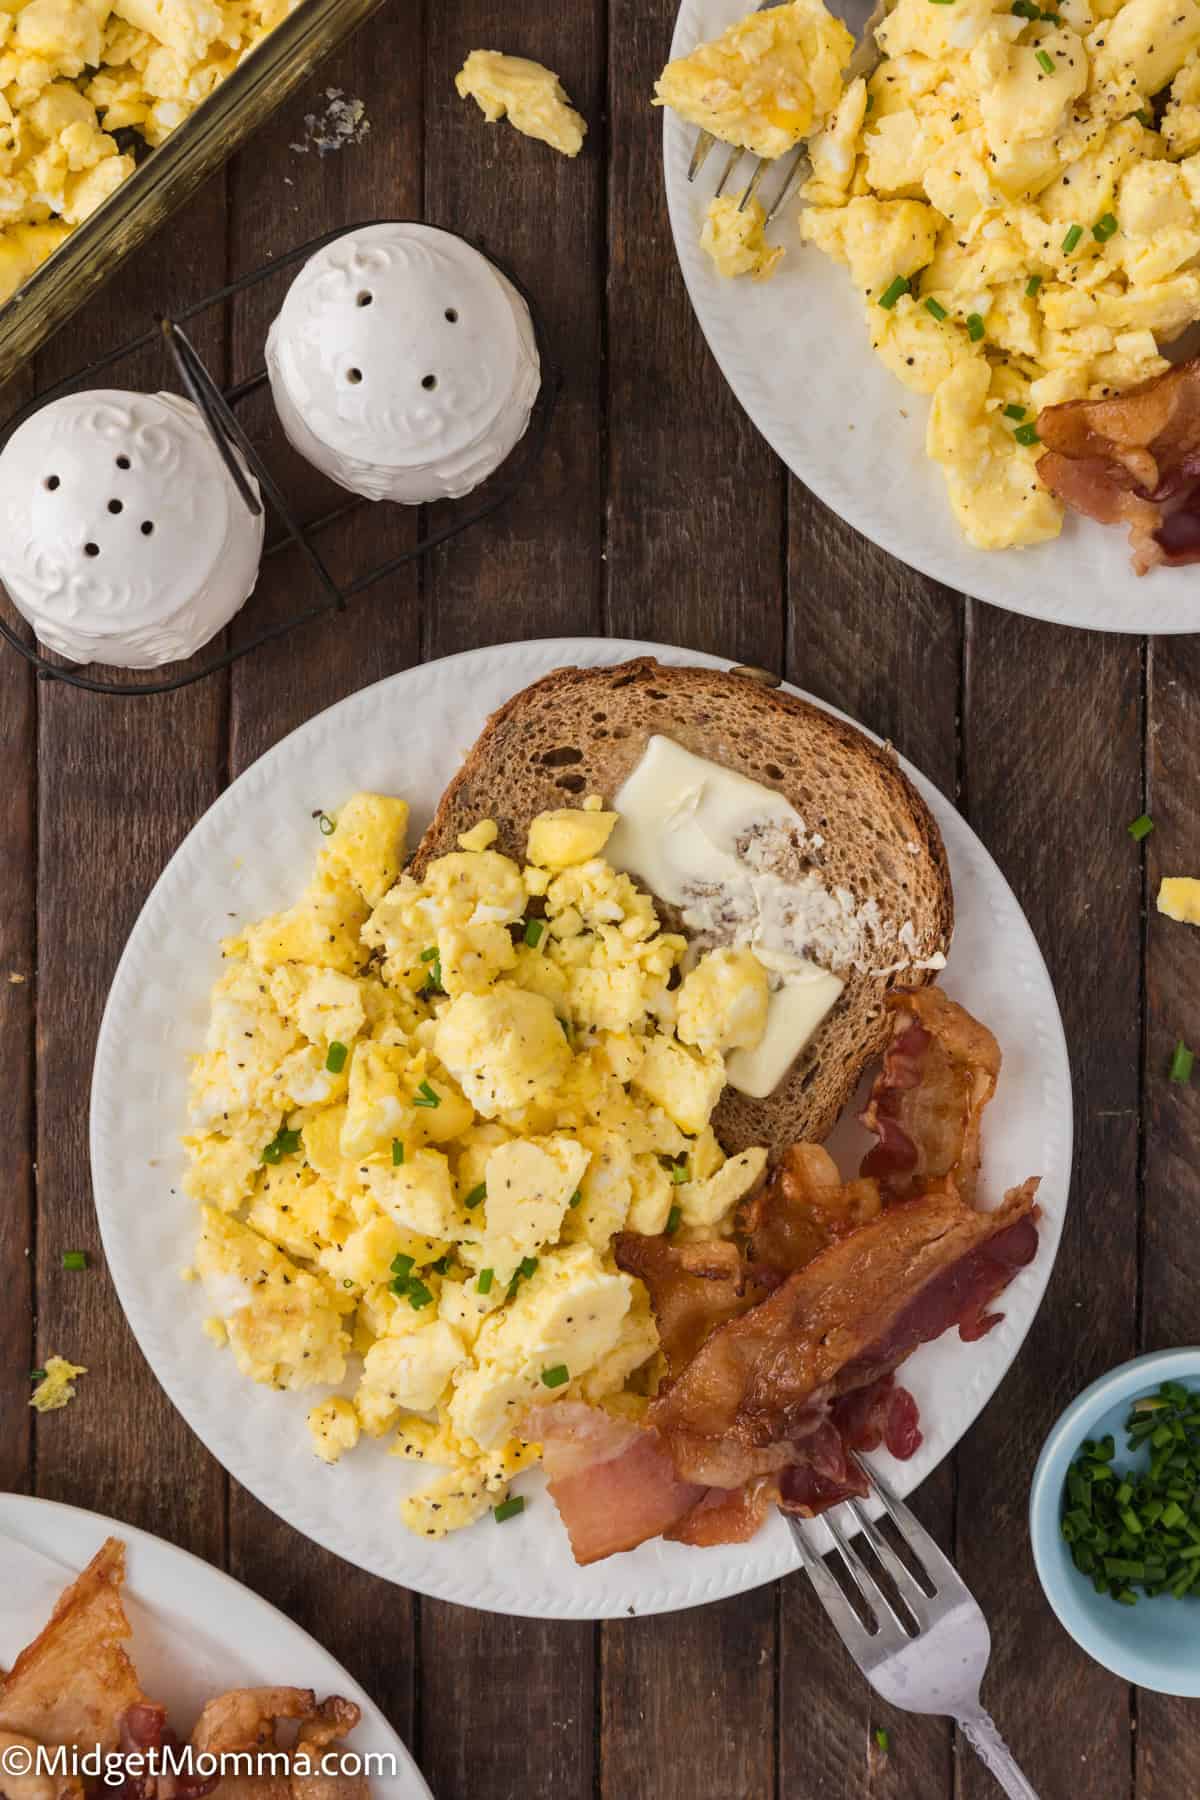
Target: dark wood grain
885, 645
120, 786
18, 1003
1170, 1177
1053, 775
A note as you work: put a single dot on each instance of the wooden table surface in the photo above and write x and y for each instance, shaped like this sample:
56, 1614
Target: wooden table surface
657, 513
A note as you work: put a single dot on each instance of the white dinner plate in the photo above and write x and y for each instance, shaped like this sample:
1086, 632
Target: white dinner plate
196, 1632
794, 350
251, 854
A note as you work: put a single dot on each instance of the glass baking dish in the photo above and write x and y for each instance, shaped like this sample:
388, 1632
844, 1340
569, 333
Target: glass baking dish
160, 184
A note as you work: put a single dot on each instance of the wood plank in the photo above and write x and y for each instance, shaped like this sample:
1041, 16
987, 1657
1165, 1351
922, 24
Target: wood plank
1053, 764
695, 545
696, 497
507, 1705
884, 644
535, 569
18, 1007
1171, 1183
364, 1622
121, 783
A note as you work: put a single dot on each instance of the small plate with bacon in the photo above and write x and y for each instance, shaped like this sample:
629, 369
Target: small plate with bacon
116, 1646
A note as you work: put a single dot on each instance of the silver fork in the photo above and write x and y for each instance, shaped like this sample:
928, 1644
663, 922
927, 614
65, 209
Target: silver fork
929, 1654
861, 16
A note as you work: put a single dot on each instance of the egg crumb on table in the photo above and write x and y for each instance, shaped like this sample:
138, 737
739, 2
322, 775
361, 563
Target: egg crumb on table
56, 1388
532, 98
1014, 192
1179, 898
73, 74
423, 1111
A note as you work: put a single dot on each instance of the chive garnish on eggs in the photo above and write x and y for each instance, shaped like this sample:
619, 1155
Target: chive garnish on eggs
476, 1197
284, 1143
426, 1096
893, 291
508, 1509
335, 1061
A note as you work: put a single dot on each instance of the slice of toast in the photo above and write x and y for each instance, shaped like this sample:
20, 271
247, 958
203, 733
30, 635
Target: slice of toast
582, 731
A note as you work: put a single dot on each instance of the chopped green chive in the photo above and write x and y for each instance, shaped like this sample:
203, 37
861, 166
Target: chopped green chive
1025, 9
335, 1061
1027, 434
556, 1377
935, 309
328, 825
429, 955
1145, 117
402, 1266
941, 2
882, 1739
576, 1197
679, 1172
426, 1096
418, 1295
1013, 411
284, 1143
526, 1266
1142, 826
37, 1374
476, 1197
486, 1278
508, 1509
397, 1153
674, 1220
870, 103
533, 932
1032, 286
1104, 227
1072, 238
1045, 61
441, 1266
1181, 1063
900, 285
974, 327
74, 1259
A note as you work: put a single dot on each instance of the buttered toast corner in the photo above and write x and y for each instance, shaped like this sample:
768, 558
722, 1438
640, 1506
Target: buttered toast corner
851, 856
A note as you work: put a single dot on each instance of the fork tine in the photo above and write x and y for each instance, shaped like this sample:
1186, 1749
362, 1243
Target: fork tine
869, 1590
907, 1585
735, 158
845, 1620
704, 143
799, 162
937, 1565
760, 169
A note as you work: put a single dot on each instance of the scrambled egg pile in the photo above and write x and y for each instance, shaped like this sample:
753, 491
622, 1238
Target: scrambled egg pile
532, 96
73, 73
425, 1108
1015, 191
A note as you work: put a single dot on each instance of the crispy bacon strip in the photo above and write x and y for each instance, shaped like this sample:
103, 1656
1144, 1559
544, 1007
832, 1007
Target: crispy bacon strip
74, 1684
245, 1720
1133, 460
790, 1219
939, 1072
612, 1480
862, 1306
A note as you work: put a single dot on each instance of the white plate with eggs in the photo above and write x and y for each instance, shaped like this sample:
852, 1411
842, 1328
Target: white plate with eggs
794, 350
250, 855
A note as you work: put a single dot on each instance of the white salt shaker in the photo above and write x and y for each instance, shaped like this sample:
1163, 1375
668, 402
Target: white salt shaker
403, 364
123, 539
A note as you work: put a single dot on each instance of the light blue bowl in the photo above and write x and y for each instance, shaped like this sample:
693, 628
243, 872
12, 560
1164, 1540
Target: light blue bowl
1156, 1643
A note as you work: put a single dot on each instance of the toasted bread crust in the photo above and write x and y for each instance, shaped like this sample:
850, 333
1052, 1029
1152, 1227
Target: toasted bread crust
583, 731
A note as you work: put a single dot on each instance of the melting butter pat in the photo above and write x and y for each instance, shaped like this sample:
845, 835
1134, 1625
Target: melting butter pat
737, 859
1179, 898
